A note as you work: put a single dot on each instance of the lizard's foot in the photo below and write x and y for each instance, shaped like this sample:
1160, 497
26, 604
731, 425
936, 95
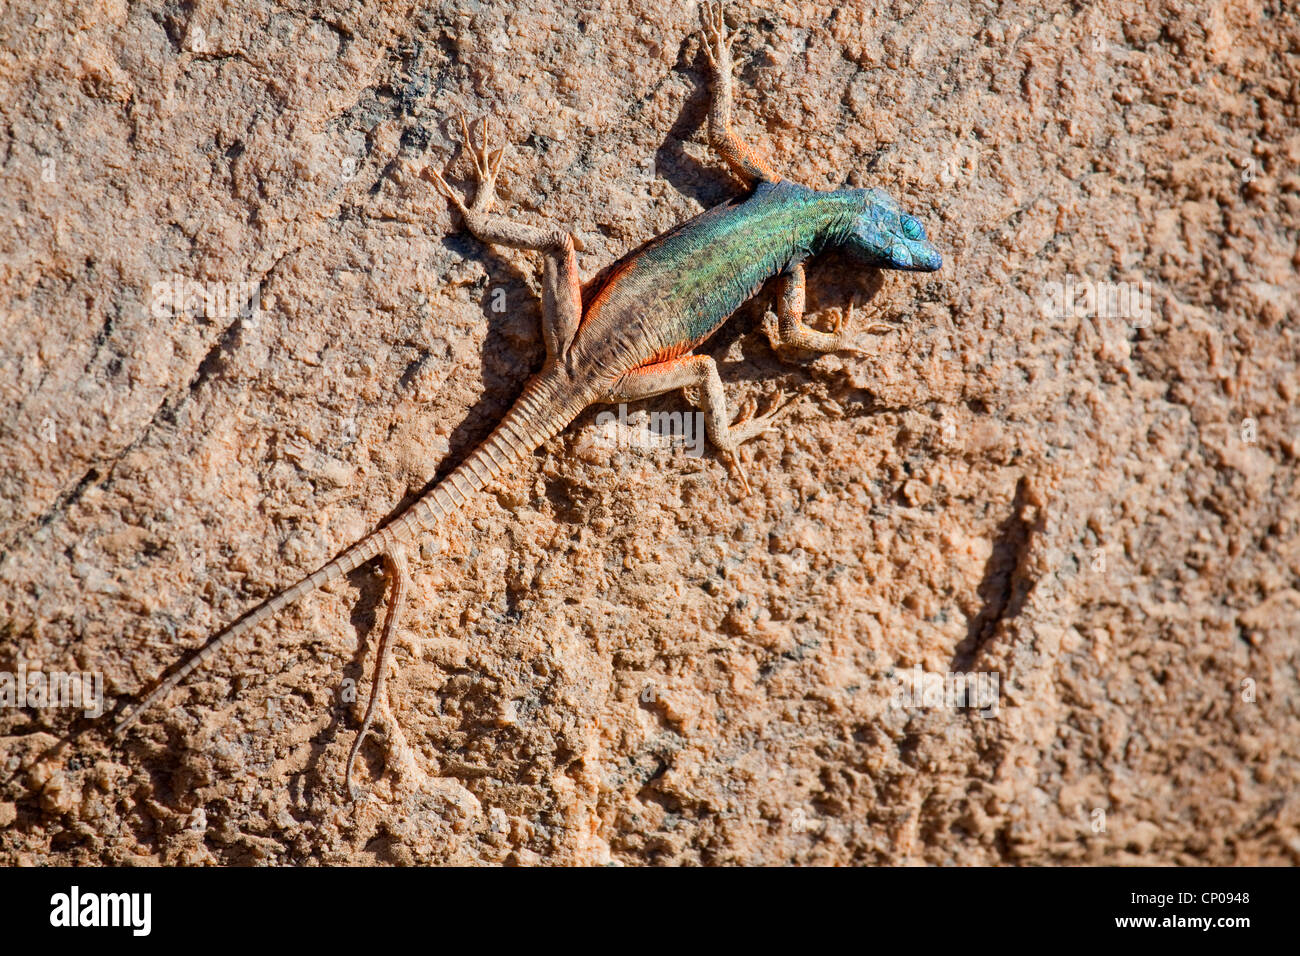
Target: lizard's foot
487, 162
737, 154
749, 425
717, 44
840, 341
738, 466
796, 335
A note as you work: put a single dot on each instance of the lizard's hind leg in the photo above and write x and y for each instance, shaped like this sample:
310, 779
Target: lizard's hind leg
737, 154
561, 290
700, 374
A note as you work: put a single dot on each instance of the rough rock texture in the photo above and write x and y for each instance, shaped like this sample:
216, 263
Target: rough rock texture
614, 656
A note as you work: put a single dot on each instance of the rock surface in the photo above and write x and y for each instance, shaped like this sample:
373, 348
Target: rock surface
614, 656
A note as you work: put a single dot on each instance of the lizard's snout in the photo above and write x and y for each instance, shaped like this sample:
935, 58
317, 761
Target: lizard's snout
915, 256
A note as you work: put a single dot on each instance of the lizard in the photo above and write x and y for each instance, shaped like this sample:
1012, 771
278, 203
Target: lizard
631, 335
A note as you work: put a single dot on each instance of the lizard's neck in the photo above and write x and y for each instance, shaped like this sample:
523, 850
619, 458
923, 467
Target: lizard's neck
826, 219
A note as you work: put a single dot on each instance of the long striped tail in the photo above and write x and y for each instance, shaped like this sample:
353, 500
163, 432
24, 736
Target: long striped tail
543, 410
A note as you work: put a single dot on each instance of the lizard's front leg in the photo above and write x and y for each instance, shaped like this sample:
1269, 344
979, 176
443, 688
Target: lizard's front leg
789, 330
700, 373
561, 290
737, 154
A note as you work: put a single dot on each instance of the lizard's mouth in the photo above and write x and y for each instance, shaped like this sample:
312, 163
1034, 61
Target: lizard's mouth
916, 257
903, 254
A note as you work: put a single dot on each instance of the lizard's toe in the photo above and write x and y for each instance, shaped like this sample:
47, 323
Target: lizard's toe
738, 466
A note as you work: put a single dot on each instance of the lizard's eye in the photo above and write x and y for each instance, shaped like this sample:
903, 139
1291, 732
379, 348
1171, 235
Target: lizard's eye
912, 228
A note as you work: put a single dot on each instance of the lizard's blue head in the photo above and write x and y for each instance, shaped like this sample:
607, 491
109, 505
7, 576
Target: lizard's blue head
888, 238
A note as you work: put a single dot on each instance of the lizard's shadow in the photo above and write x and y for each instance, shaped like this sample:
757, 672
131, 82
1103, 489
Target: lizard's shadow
363, 617
512, 353
708, 183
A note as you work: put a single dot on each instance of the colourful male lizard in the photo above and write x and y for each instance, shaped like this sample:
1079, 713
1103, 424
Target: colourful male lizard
631, 335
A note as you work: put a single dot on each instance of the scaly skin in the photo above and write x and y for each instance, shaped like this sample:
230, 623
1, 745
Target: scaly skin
674, 292
631, 336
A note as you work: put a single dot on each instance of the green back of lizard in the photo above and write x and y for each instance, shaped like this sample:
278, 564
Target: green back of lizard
664, 298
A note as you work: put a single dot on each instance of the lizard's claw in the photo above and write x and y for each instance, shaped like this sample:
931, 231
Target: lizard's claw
738, 466
435, 177
875, 328
746, 413
777, 407
717, 45
749, 425
839, 319
487, 163
841, 335
486, 160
